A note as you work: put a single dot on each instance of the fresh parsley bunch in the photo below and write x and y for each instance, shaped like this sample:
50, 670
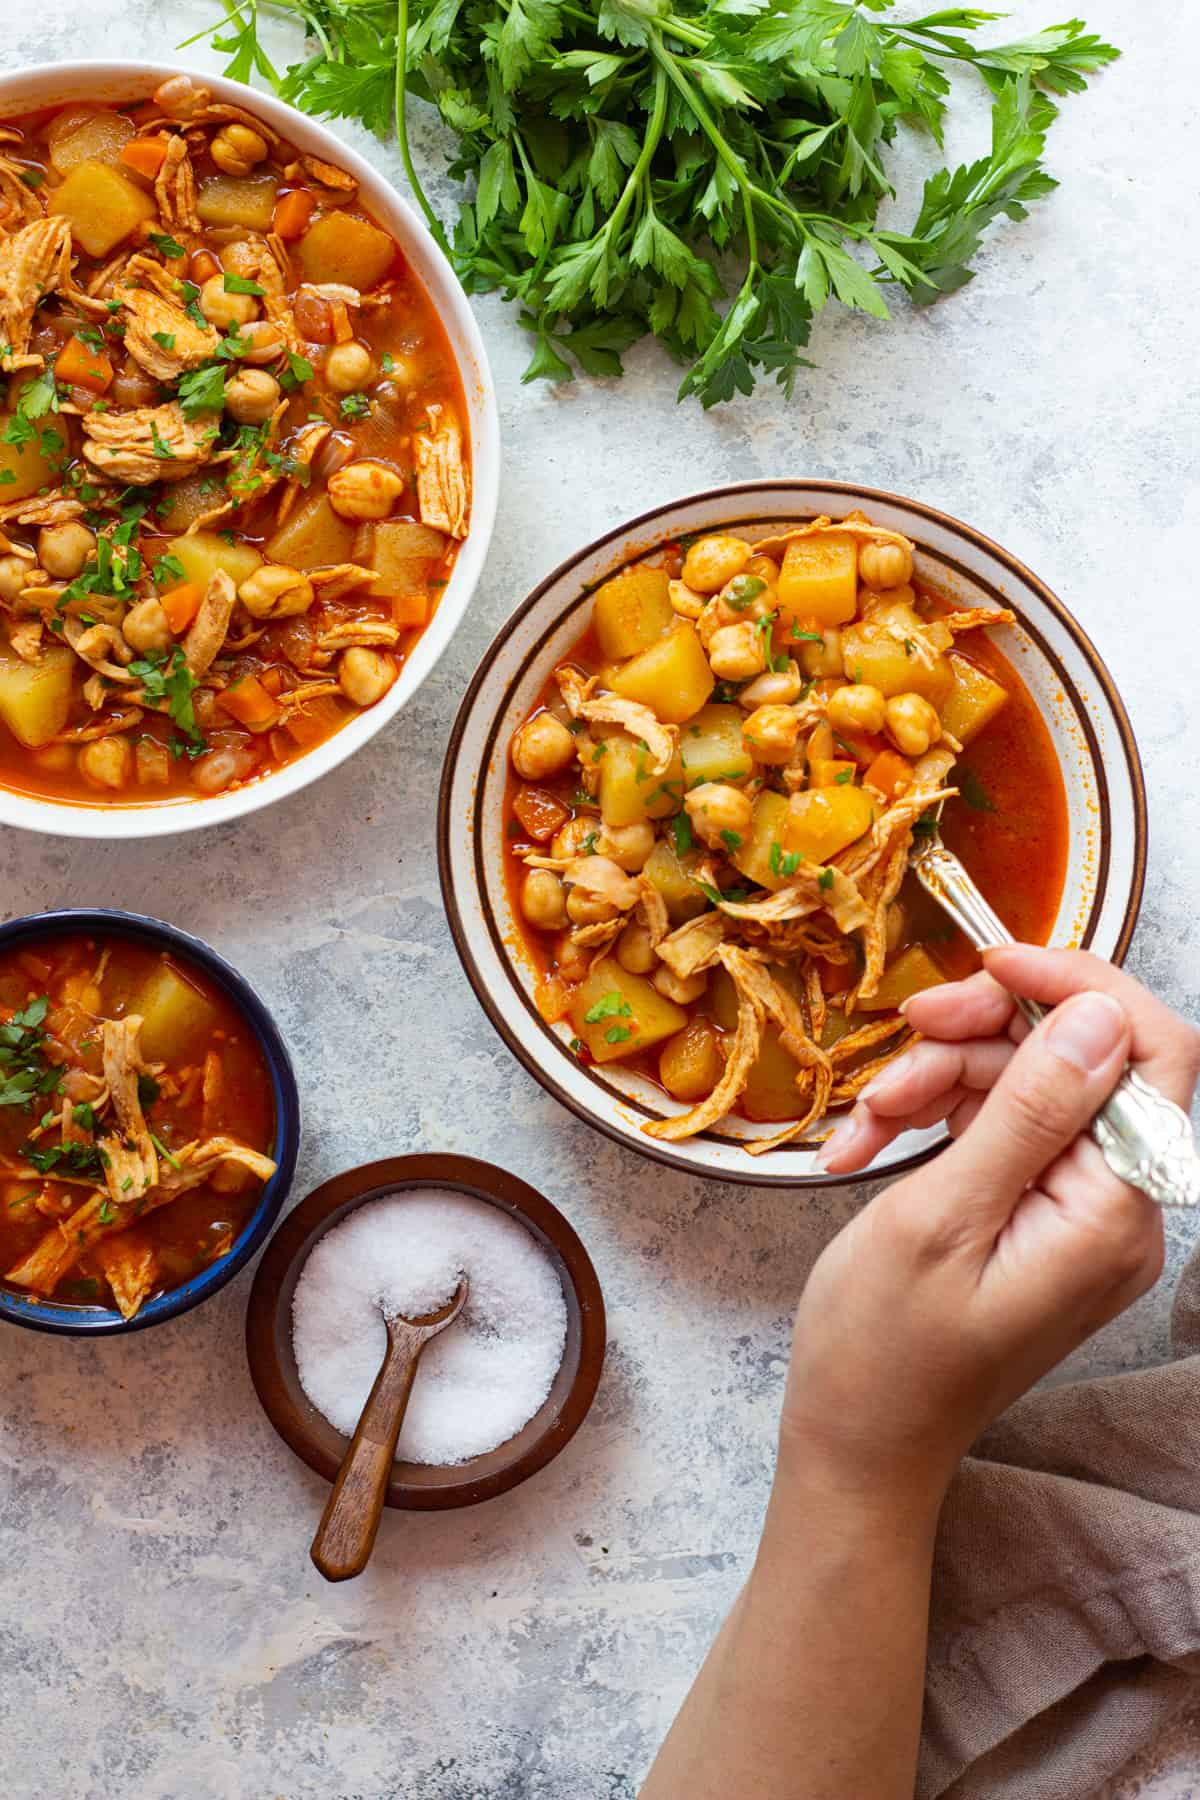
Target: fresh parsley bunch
708, 171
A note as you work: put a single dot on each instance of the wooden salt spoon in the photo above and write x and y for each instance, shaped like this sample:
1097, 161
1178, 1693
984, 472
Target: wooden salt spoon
346, 1535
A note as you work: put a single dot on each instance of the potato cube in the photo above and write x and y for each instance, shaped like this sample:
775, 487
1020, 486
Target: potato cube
671, 677
247, 200
880, 660
973, 701
825, 819
101, 206
712, 748
618, 1014
761, 856
204, 553
100, 137
632, 611
313, 537
910, 973
819, 579
629, 793
674, 878
403, 553
340, 247
35, 698
176, 1017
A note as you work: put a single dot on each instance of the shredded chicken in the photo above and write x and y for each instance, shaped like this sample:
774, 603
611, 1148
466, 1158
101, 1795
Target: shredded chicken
695, 946
129, 1156
300, 453
161, 336
600, 875
652, 909
18, 203
35, 262
208, 629
661, 741
56, 508
827, 527
175, 188
747, 1040
442, 483
974, 616
329, 175
147, 443
130, 1265
366, 632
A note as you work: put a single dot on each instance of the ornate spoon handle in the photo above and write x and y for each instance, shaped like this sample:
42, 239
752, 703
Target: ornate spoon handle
1144, 1137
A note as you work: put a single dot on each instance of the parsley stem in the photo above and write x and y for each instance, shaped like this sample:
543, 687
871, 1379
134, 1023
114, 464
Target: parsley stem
733, 162
431, 218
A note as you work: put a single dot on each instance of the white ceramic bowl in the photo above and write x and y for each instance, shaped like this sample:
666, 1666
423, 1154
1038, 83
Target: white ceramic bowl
1060, 667
49, 84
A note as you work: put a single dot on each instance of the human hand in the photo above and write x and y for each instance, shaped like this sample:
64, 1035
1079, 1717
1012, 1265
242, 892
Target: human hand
960, 1286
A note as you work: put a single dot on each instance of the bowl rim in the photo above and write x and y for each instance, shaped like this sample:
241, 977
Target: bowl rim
629, 529
63, 1321
277, 1273
51, 817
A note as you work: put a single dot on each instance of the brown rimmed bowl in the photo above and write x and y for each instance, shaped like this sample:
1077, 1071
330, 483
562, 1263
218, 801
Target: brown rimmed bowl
1059, 665
421, 1487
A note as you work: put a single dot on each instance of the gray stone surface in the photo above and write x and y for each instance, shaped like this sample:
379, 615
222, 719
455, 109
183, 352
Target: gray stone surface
161, 1632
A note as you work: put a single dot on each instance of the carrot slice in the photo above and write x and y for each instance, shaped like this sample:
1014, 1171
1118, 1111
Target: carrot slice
249, 703
145, 156
292, 212
831, 774
79, 365
181, 605
410, 609
203, 266
890, 775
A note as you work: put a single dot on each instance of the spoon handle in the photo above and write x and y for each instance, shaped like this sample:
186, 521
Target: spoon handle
1144, 1138
346, 1535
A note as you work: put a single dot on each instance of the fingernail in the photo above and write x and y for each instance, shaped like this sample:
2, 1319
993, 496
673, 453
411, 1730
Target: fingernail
843, 1140
886, 1078
1086, 1030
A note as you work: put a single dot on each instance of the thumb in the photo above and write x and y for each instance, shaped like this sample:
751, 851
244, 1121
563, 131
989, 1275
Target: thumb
1050, 1092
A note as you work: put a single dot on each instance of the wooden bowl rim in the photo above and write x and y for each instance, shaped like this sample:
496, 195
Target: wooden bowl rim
417, 1487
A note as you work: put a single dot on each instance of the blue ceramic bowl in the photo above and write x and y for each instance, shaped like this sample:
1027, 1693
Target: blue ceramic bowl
98, 1321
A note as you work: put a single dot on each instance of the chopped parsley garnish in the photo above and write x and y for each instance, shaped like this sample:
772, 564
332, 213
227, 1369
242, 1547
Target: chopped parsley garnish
158, 444
167, 568
202, 390
925, 826
355, 406
610, 1006
825, 879
806, 637
108, 1211
681, 831
75, 1159
781, 863
148, 1090
171, 681
190, 294
600, 750
167, 1155
90, 335
743, 589
33, 177
617, 1034
166, 339
765, 627
576, 1046
973, 791
843, 776
241, 284
387, 362
298, 371
589, 843
24, 1070
732, 840
168, 247
84, 1116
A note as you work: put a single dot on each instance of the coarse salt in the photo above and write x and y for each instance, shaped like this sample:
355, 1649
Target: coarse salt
486, 1375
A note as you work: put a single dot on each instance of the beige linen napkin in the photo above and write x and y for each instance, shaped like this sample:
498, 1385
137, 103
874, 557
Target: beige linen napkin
1065, 1626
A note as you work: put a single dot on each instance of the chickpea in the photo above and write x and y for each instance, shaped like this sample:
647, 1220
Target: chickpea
145, 626
571, 960
251, 397
237, 149
364, 490
735, 652
262, 342
780, 687
682, 989
364, 675
64, 549
912, 724
589, 909
276, 592
859, 707
178, 96
107, 763
820, 655
544, 900
715, 808
542, 747
214, 772
766, 568
628, 845
573, 837
884, 565
713, 561
771, 733
634, 950
348, 367
14, 575
690, 1064
222, 309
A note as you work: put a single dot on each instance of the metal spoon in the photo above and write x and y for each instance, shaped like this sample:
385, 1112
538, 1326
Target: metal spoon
1144, 1138
346, 1535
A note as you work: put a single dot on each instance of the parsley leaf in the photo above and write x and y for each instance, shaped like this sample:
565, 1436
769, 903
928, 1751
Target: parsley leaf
241, 284
167, 246
609, 1006
973, 791
202, 390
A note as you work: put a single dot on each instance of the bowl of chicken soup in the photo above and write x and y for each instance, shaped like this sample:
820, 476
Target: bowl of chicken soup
248, 453
682, 790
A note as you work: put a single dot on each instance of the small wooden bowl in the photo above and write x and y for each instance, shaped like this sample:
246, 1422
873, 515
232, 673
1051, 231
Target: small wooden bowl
419, 1486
